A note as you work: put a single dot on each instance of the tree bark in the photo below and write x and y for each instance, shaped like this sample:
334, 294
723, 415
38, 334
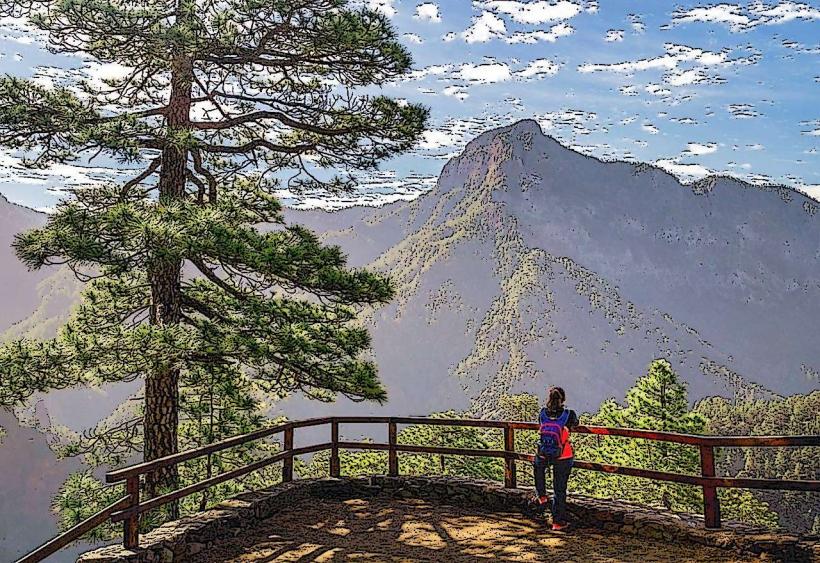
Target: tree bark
164, 276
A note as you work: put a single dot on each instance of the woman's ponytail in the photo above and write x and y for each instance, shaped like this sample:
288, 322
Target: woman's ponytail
555, 399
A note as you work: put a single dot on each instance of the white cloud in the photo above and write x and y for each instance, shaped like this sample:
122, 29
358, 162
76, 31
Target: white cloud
638, 27
755, 147
743, 18
684, 171
485, 73
800, 47
782, 12
556, 31
58, 177
413, 38
742, 111
516, 103
691, 76
649, 128
629, 90
462, 77
684, 120
375, 190
444, 140
428, 11
702, 65
614, 35
95, 76
657, 90
432, 70
699, 149
728, 14
537, 12
458, 92
814, 127
383, 6
438, 138
662, 62
811, 190
18, 30
539, 68
495, 14
568, 122
484, 27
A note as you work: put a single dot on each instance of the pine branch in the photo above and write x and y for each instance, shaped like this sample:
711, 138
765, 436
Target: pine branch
152, 169
256, 144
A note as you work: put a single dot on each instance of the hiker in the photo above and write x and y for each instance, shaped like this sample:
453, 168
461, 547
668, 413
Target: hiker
555, 449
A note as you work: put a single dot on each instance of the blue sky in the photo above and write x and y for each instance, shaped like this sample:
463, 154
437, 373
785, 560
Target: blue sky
693, 87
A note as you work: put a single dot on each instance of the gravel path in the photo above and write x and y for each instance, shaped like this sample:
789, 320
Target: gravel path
400, 531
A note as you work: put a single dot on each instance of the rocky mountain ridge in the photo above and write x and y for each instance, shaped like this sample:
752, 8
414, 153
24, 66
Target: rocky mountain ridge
531, 264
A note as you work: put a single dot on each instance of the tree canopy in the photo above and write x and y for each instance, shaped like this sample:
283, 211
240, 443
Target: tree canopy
213, 106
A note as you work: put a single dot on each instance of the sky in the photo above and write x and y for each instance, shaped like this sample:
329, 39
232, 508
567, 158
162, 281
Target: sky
695, 88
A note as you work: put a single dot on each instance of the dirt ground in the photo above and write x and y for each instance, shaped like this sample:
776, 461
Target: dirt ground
400, 531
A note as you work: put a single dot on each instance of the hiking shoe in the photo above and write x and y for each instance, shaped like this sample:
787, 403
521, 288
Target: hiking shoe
536, 507
559, 526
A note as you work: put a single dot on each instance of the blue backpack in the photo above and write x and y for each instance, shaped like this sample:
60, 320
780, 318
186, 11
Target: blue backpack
550, 444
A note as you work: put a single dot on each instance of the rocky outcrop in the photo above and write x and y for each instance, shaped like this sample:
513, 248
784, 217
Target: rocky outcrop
178, 540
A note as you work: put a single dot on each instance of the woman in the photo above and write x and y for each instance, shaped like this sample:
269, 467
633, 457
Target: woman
554, 448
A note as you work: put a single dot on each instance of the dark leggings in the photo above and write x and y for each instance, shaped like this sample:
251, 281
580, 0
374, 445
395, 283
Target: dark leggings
560, 476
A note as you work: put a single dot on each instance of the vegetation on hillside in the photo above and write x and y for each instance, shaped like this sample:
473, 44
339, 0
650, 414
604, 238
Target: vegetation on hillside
795, 415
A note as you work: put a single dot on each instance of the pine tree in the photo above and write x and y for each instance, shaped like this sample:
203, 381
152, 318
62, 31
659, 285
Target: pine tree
220, 103
658, 401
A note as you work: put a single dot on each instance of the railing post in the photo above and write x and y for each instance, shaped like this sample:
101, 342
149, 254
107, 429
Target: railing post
287, 463
392, 454
711, 505
510, 480
335, 469
131, 525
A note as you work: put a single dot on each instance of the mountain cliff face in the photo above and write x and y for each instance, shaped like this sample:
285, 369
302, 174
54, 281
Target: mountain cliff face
530, 264
18, 296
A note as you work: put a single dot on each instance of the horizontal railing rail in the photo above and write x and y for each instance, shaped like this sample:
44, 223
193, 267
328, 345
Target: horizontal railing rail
129, 508
74, 533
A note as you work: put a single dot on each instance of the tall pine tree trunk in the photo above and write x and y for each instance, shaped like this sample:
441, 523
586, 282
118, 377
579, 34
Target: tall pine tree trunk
164, 276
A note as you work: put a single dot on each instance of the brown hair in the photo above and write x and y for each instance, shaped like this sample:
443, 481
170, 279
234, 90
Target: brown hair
555, 399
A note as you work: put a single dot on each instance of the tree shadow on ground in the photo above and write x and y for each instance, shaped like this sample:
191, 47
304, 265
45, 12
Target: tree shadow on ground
413, 530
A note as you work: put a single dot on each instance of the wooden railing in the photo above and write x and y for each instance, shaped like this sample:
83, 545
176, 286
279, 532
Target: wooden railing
129, 508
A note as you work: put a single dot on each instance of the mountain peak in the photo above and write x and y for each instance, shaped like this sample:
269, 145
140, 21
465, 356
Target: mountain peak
518, 130
526, 125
